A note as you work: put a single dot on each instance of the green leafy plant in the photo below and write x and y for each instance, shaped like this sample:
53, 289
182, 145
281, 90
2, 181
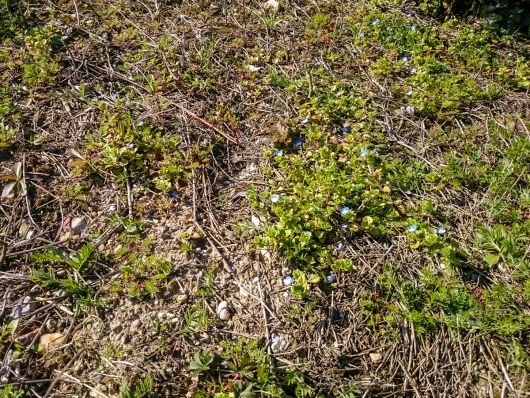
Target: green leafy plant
39, 63
243, 369
195, 319
131, 148
11, 391
71, 276
143, 388
143, 276
201, 362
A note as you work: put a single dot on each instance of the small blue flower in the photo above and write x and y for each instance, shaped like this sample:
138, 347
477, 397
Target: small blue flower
413, 27
404, 58
297, 142
344, 226
318, 62
413, 71
175, 194
412, 228
374, 22
408, 14
341, 246
305, 120
130, 145
344, 210
361, 34
490, 20
345, 129
275, 198
409, 93
364, 152
278, 152
288, 280
331, 278
440, 230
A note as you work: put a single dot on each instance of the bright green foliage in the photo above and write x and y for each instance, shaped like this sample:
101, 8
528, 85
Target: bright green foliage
338, 177
80, 261
442, 70
325, 185
39, 63
140, 389
143, 276
244, 370
10, 391
129, 147
443, 299
71, 277
195, 319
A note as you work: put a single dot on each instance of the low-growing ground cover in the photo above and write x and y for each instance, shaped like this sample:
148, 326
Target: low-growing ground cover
284, 199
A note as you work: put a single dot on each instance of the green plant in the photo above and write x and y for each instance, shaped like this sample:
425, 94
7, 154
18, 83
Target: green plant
201, 362
143, 276
195, 319
506, 245
11, 391
131, 148
206, 289
72, 274
243, 369
39, 63
143, 388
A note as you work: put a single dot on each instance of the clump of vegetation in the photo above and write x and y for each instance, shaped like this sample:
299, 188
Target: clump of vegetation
389, 210
128, 147
243, 369
68, 273
10, 391
143, 388
338, 177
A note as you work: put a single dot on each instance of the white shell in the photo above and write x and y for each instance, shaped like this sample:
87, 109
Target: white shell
223, 311
272, 5
78, 225
255, 220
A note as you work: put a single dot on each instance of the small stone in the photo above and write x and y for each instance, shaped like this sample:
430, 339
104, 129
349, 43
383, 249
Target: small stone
375, 357
278, 342
182, 298
31, 234
24, 229
111, 209
50, 324
255, 220
136, 323
50, 342
288, 280
272, 5
165, 315
78, 225
223, 311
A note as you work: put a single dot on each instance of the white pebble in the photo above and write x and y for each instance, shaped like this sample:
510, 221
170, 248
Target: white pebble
223, 311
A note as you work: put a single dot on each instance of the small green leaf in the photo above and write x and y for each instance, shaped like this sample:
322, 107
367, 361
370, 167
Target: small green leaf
492, 259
